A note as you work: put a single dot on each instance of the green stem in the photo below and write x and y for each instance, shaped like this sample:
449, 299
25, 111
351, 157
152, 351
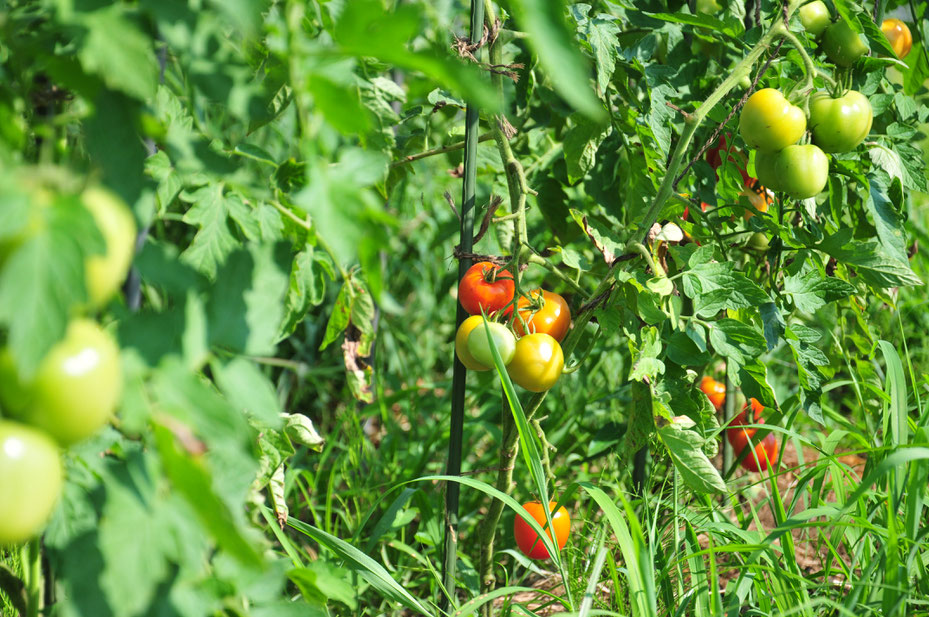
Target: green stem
809, 66
564, 278
436, 151
32, 570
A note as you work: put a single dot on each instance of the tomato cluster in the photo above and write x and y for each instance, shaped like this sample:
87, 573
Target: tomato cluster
533, 361
772, 124
528, 341
77, 386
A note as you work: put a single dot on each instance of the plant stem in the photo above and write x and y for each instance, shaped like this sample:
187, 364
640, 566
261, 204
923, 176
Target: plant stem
32, 569
459, 374
436, 151
540, 261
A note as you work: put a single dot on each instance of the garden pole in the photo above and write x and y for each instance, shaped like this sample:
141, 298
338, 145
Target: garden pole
456, 429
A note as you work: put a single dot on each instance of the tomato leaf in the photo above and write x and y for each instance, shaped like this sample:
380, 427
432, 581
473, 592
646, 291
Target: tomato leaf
813, 289
686, 450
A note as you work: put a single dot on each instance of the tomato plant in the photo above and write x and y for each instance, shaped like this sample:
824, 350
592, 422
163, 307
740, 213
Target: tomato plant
502, 337
770, 122
898, 35
544, 312
486, 287
840, 124
537, 362
842, 44
815, 17
30, 481
528, 540
715, 391
77, 386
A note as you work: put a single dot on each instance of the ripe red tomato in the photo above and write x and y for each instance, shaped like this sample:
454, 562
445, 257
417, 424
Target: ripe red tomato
486, 286
546, 313
765, 450
30, 481
715, 390
537, 363
770, 122
76, 389
898, 35
840, 124
842, 44
528, 540
461, 343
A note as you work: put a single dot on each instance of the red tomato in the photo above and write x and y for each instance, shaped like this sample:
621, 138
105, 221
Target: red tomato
715, 390
765, 450
546, 313
486, 286
528, 540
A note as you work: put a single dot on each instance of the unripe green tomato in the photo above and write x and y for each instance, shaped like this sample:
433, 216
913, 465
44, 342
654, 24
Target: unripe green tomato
843, 45
815, 17
839, 125
76, 388
802, 171
461, 343
745, 82
106, 272
769, 122
709, 7
758, 242
765, 169
503, 340
30, 481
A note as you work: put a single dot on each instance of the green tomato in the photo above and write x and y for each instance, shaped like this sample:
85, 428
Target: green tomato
503, 340
839, 125
76, 388
802, 171
769, 122
815, 17
709, 7
765, 169
758, 242
30, 481
106, 272
843, 45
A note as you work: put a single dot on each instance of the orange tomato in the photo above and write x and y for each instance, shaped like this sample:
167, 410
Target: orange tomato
528, 540
899, 36
715, 390
546, 313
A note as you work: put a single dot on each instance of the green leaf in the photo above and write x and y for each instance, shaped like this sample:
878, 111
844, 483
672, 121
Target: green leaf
580, 146
885, 202
250, 390
365, 29
321, 581
246, 304
214, 240
645, 357
118, 52
774, 325
718, 286
551, 39
308, 275
42, 281
870, 260
192, 480
812, 289
737, 341
601, 34
686, 450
